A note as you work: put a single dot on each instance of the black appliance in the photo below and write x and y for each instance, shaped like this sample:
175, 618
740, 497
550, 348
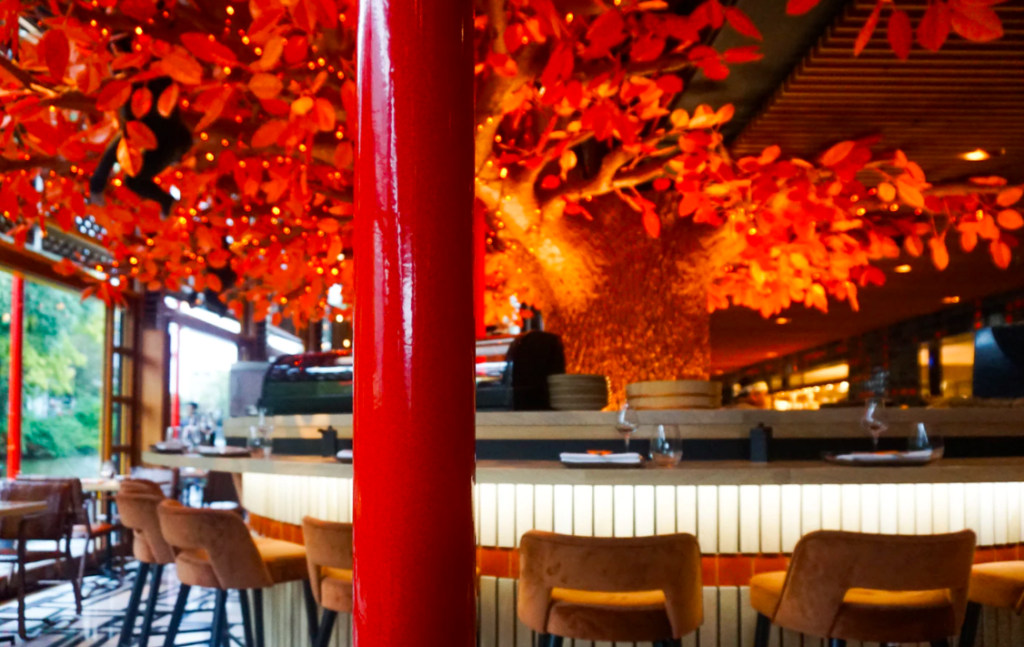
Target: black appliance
999, 362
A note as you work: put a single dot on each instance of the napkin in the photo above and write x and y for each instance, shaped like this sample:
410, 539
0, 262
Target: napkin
344, 455
630, 458
885, 457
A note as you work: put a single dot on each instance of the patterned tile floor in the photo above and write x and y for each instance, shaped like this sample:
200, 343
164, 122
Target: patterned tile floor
52, 621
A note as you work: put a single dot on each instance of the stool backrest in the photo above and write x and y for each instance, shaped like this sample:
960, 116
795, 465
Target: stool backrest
828, 563
167, 479
328, 545
222, 537
55, 523
138, 502
667, 563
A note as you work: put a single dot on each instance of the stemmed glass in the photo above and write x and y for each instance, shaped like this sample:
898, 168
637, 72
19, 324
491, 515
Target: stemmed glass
875, 419
667, 446
627, 423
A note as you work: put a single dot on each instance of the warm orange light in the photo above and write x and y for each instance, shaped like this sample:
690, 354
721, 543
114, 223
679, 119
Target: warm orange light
903, 269
782, 321
976, 155
951, 300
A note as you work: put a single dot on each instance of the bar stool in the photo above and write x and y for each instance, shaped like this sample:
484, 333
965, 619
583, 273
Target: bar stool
215, 550
870, 588
137, 502
329, 556
996, 584
636, 589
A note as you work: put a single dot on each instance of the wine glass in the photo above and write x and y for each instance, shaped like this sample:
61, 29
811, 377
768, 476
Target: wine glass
667, 446
875, 419
627, 423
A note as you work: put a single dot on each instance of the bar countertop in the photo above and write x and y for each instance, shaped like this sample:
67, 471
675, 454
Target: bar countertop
965, 470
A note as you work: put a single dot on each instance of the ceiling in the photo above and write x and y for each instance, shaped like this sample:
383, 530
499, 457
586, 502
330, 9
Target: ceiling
810, 92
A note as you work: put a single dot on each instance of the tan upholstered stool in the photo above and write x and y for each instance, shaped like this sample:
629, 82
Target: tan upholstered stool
997, 584
137, 502
635, 589
215, 550
871, 588
329, 557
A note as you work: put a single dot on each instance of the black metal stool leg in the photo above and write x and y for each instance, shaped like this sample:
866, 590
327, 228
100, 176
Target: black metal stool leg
133, 606
762, 631
836, 642
176, 615
969, 632
548, 640
311, 619
243, 600
323, 635
219, 610
257, 614
154, 592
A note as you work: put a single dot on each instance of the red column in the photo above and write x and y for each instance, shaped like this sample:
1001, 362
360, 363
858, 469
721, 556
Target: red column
479, 270
14, 384
414, 412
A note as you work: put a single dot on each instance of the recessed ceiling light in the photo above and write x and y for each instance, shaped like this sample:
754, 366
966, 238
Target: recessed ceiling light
782, 321
976, 155
903, 269
951, 300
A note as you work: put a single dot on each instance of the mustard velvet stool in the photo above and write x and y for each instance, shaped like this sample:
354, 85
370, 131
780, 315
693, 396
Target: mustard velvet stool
870, 588
997, 584
137, 503
635, 589
329, 558
214, 549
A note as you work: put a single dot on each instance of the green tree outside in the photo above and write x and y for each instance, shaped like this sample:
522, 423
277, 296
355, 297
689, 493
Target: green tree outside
62, 375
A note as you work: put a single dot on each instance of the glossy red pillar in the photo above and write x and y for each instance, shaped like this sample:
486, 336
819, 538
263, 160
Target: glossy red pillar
414, 353
14, 384
479, 272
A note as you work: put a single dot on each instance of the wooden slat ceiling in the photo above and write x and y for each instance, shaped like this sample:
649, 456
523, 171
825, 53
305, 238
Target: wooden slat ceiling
934, 106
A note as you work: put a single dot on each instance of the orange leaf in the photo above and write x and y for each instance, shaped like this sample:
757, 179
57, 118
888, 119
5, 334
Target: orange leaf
140, 136
327, 225
652, 223
933, 30
1010, 196
913, 245
325, 116
910, 194
940, 255
1010, 219
265, 86
65, 268
129, 158
302, 106
886, 192
900, 33
271, 54
113, 96
976, 22
550, 182
180, 66
968, 240
211, 103
867, 30
168, 100
838, 153
142, 101
344, 155
54, 49
214, 283
209, 49
741, 22
268, 133
1000, 253
798, 7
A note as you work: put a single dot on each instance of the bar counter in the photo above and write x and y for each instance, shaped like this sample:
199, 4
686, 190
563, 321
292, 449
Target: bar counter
747, 518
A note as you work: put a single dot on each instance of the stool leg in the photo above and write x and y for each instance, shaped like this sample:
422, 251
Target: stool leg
257, 604
548, 640
969, 632
323, 636
836, 642
762, 631
176, 615
133, 606
311, 619
243, 600
154, 591
219, 609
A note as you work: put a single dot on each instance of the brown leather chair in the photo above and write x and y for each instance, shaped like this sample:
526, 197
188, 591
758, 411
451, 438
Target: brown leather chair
214, 549
871, 588
137, 502
54, 524
635, 589
329, 557
996, 584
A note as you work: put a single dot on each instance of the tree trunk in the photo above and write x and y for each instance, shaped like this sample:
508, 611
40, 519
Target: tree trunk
644, 315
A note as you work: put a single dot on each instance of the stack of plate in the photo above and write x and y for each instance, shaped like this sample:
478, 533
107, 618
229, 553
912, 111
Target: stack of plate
578, 392
675, 394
